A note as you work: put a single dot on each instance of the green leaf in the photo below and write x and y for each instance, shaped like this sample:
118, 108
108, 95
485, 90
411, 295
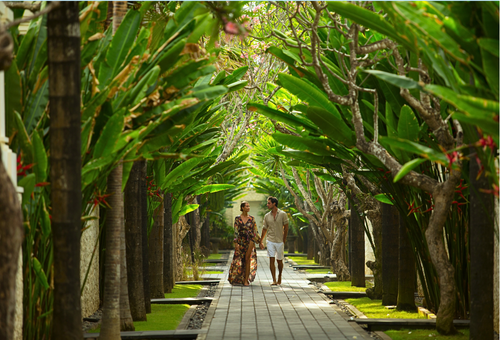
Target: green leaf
491, 69
13, 96
24, 140
286, 118
407, 168
208, 93
418, 149
383, 198
170, 56
236, 75
28, 184
45, 220
476, 111
363, 17
304, 144
188, 208
308, 93
41, 162
394, 79
121, 44
490, 45
408, 127
213, 188
181, 170
139, 90
332, 125
37, 102
40, 274
109, 135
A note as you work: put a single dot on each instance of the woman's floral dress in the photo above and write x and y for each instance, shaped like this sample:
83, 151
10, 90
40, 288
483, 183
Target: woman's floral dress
243, 234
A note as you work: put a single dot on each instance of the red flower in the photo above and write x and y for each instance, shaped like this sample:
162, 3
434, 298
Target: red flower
231, 28
486, 143
453, 157
42, 184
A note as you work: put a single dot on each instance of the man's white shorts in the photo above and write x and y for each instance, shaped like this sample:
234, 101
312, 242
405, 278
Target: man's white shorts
276, 250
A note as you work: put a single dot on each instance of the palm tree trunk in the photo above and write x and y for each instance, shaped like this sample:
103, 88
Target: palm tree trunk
407, 274
110, 328
144, 230
482, 238
156, 254
168, 246
113, 278
11, 238
63, 49
133, 237
126, 322
390, 241
357, 248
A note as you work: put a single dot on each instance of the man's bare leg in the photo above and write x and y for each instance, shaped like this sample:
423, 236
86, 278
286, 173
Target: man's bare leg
280, 270
273, 270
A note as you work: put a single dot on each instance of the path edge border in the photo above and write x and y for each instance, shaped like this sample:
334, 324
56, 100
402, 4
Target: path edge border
213, 305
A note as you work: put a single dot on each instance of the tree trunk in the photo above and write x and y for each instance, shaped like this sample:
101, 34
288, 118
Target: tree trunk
197, 225
63, 47
443, 196
11, 238
375, 293
310, 243
407, 273
156, 254
482, 239
338, 265
390, 241
357, 249
192, 236
126, 322
133, 237
110, 328
144, 230
205, 236
168, 247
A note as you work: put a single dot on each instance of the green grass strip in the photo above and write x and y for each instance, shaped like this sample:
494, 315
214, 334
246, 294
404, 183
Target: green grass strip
345, 286
373, 309
184, 291
302, 260
318, 271
214, 257
417, 334
166, 317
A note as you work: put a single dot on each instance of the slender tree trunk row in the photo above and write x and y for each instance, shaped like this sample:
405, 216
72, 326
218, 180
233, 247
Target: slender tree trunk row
133, 233
63, 47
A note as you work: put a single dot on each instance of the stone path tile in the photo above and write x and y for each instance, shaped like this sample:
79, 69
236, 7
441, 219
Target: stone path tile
291, 311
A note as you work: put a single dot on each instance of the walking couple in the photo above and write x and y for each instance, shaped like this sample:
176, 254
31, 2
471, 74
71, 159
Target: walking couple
246, 236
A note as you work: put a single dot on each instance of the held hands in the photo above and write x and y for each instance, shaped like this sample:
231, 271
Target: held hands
261, 245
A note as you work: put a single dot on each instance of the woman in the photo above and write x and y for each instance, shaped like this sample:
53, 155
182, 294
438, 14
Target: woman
244, 263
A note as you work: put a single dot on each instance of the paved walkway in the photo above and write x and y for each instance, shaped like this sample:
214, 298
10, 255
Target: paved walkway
292, 311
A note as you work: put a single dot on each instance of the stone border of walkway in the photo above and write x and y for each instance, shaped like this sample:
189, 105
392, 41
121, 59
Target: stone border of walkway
213, 305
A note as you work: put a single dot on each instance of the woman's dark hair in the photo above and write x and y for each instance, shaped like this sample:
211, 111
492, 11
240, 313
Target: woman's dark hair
273, 200
242, 205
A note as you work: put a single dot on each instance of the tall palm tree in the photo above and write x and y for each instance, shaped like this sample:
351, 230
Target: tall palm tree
63, 49
116, 310
133, 237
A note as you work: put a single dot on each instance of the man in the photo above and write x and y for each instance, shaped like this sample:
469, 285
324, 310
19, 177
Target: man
276, 227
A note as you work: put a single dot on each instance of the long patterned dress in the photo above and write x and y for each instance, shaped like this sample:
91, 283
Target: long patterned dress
244, 233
